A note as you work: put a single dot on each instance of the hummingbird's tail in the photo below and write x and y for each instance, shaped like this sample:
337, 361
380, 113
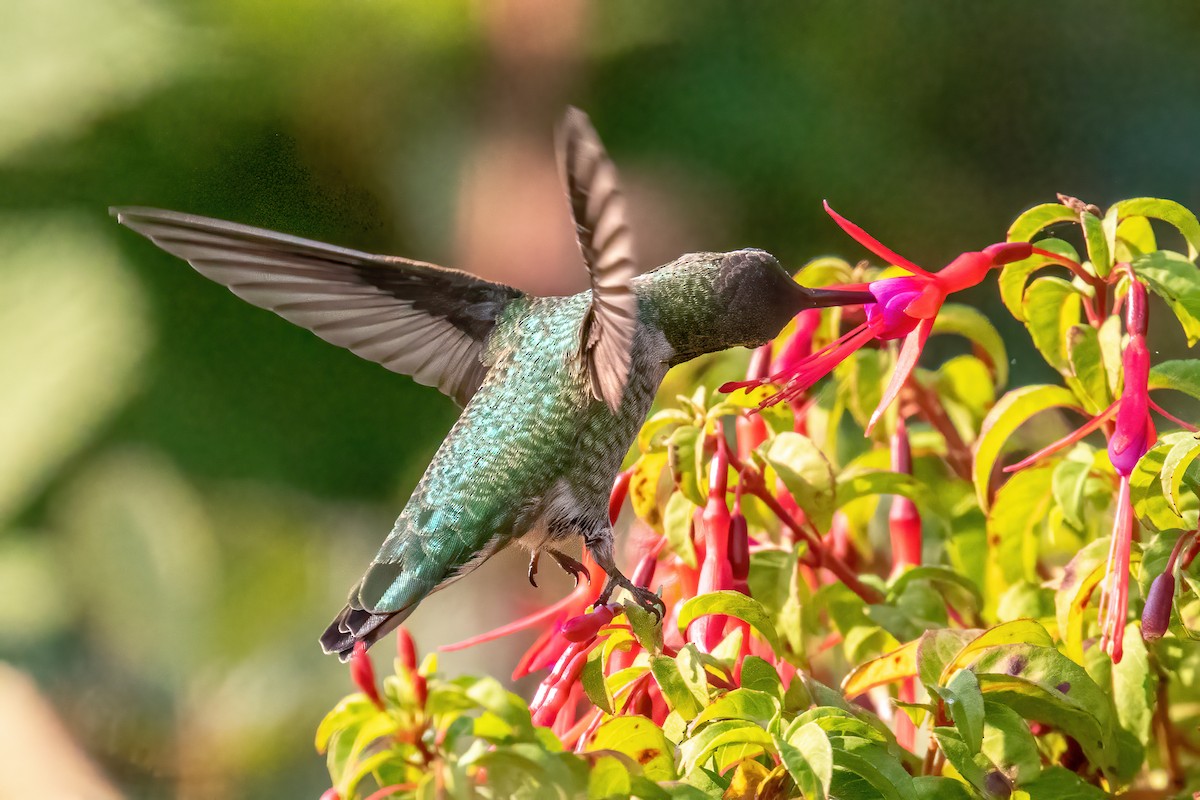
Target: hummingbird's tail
354, 624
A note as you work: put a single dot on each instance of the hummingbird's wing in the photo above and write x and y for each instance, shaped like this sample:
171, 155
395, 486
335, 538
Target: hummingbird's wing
413, 318
604, 238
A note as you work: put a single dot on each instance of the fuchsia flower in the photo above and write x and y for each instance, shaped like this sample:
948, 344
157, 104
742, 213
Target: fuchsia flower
906, 307
1132, 436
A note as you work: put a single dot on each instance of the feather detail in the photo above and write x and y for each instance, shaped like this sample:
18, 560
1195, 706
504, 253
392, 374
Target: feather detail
605, 240
413, 318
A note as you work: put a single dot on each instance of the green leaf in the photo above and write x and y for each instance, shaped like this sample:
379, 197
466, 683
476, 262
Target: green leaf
805, 472
1085, 363
641, 740
1031, 222
1068, 485
936, 649
862, 760
808, 757
825, 271
1014, 276
1052, 306
747, 704
964, 701
966, 380
723, 733
1042, 684
677, 527
1009, 744
1009, 413
1173, 277
935, 787
1146, 488
1134, 686
1109, 338
348, 714
1175, 469
972, 765
1021, 631
608, 779
971, 323
856, 482
594, 684
1134, 236
1168, 211
1057, 783
647, 628
685, 456
734, 604
1097, 243
759, 674
677, 692
644, 488
1080, 579
1182, 375
1013, 527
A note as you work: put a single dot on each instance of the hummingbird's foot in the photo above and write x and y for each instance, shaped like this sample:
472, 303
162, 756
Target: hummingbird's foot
641, 596
533, 564
570, 566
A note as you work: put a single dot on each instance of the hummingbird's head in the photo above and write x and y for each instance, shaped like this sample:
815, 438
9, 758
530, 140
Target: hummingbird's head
755, 295
705, 302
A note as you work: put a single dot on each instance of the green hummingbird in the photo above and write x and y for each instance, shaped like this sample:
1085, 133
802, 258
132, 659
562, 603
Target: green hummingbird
554, 389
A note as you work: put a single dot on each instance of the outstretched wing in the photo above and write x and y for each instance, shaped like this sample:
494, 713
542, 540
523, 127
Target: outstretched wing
413, 318
604, 237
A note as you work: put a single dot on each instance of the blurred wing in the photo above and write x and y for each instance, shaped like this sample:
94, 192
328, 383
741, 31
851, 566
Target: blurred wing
604, 238
413, 318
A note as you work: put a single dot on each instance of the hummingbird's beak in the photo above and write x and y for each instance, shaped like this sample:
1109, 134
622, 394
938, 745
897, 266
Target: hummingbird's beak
825, 298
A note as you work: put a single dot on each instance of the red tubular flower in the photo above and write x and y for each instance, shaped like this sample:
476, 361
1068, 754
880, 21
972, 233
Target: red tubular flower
406, 651
906, 306
715, 573
363, 673
904, 521
1133, 435
584, 627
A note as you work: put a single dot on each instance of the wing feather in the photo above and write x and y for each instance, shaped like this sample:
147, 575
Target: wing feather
413, 318
605, 239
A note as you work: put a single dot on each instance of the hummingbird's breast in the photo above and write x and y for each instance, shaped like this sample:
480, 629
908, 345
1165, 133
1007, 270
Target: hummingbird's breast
533, 449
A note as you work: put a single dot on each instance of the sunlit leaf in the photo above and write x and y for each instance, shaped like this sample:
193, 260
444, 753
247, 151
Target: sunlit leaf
805, 472
973, 324
1168, 211
641, 740
733, 604
1173, 278
1009, 413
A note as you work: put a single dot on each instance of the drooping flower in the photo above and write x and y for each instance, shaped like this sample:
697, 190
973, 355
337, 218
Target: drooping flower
906, 306
1132, 436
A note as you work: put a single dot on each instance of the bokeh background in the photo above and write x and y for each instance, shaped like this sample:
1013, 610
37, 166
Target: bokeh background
189, 485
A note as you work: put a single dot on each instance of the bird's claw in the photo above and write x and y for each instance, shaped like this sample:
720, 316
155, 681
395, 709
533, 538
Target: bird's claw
571, 567
533, 566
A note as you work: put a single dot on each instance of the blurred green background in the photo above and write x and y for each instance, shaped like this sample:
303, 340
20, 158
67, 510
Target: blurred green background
189, 485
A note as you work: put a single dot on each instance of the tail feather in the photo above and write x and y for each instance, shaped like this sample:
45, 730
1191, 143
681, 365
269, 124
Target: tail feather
354, 624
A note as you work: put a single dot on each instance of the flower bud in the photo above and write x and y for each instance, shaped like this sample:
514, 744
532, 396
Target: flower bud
406, 651
330, 794
362, 672
1156, 615
586, 626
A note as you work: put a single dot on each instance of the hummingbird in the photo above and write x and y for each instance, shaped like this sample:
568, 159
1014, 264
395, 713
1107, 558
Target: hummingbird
553, 389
